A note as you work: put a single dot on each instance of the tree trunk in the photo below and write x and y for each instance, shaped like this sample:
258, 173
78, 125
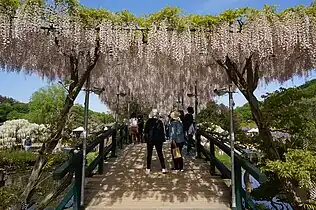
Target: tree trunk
247, 182
74, 89
247, 85
61, 187
45, 150
264, 130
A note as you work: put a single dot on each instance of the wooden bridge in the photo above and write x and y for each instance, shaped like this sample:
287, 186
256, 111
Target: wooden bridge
116, 178
125, 185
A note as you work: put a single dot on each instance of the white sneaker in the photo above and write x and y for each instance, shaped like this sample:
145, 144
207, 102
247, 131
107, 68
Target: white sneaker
163, 170
147, 171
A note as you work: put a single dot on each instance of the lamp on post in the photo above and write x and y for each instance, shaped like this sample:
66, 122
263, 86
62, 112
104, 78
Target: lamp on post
97, 91
197, 137
182, 99
128, 102
195, 95
221, 92
118, 95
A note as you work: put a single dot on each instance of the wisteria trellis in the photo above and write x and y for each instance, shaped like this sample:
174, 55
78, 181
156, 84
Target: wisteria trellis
156, 63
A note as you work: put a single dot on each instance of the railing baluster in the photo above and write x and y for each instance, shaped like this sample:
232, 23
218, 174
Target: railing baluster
101, 153
113, 150
121, 138
126, 134
213, 160
78, 173
198, 144
238, 182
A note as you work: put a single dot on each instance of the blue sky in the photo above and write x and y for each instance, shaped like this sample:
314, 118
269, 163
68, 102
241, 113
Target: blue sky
20, 86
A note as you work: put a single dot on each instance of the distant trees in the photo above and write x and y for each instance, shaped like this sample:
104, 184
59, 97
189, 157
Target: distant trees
11, 109
45, 105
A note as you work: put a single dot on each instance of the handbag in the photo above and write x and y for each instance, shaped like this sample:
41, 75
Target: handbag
176, 153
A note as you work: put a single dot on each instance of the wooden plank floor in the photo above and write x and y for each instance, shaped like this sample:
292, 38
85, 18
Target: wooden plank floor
125, 185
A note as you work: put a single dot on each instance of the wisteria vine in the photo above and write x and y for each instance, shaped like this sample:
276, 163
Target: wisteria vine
156, 58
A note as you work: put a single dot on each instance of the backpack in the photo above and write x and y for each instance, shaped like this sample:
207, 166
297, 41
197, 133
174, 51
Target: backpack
176, 132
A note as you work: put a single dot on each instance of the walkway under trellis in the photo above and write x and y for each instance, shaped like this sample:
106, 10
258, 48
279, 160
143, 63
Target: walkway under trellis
125, 185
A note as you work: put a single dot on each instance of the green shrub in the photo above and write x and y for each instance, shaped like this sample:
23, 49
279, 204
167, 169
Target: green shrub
91, 156
20, 160
56, 159
16, 159
8, 196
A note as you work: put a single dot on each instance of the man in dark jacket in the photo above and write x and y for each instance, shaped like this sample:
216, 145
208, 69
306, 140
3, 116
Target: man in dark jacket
188, 121
155, 136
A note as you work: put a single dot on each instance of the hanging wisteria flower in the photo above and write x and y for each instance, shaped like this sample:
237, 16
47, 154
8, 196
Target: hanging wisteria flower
159, 57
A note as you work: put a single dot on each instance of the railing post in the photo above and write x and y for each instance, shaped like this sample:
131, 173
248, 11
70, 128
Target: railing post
77, 160
213, 160
238, 184
121, 137
198, 144
126, 134
113, 149
101, 153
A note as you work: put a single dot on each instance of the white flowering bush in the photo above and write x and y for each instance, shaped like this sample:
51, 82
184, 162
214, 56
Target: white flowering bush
14, 131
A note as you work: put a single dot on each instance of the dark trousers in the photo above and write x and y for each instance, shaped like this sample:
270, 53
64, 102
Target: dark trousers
150, 147
178, 163
189, 142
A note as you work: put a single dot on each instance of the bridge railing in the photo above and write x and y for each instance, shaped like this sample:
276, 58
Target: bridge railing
240, 163
74, 164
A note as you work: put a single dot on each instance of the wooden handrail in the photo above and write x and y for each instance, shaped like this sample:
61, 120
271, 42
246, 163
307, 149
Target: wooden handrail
74, 164
245, 164
240, 162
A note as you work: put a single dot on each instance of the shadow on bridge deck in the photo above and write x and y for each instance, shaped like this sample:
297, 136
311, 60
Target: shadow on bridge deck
124, 184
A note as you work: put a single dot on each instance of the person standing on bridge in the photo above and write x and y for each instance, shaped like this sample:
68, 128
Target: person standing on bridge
155, 136
176, 135
189, 128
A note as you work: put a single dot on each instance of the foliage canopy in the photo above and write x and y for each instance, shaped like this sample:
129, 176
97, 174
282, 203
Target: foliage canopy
146, 53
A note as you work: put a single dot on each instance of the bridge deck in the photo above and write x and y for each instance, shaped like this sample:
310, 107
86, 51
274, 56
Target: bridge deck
125, 185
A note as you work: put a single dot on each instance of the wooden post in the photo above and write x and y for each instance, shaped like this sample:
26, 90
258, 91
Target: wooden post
126, 134
121, 137
2, 177
213, 160
77, 164
198, 144
101, 153
238, 184
113, 149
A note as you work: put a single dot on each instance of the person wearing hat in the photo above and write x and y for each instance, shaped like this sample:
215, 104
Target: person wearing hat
155, 136
176, 135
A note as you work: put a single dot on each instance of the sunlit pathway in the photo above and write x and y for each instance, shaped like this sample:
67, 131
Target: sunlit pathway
124, 184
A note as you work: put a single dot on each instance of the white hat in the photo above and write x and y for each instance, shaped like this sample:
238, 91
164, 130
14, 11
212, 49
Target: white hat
154, 113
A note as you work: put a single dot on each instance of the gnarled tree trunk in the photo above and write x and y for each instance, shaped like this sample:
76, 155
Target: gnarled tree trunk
247, 85
47, 148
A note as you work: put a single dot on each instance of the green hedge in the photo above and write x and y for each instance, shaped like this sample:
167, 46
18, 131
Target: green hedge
16, 159
9, 196
20, 160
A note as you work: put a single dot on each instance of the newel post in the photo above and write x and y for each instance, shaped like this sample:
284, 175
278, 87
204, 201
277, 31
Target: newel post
101, 154
113, 149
